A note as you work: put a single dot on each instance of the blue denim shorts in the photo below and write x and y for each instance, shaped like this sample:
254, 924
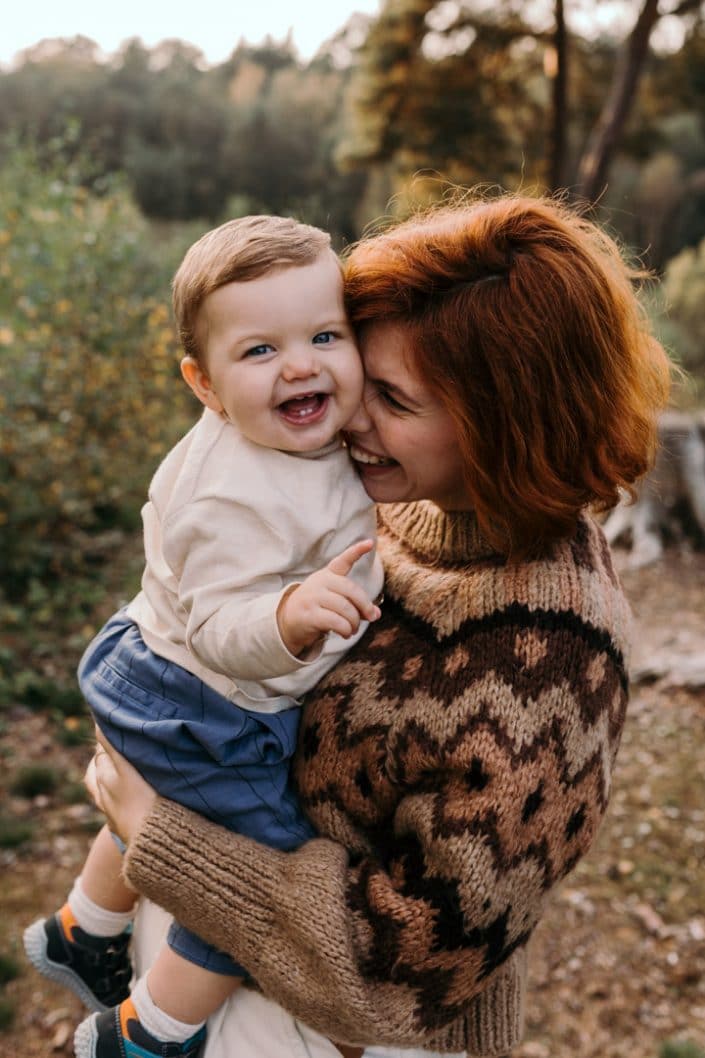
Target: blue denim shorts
195, 747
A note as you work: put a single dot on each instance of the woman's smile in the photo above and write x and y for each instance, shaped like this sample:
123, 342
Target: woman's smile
402, 439
370, 459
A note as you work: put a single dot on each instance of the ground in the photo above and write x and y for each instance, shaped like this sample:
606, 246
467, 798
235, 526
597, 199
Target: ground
618, 963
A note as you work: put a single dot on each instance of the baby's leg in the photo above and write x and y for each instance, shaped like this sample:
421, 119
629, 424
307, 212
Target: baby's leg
101, 878
186, 991
84, 945
165, 1013
167, 1007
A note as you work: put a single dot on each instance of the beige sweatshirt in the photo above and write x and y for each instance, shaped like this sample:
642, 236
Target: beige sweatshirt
229, 526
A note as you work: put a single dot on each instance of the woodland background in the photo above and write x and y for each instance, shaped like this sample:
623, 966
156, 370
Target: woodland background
111, 165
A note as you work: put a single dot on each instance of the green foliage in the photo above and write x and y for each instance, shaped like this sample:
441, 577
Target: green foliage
28, 687
680, 1049
9, 968
74, 793
75, 731
288, 120
464, 97
684, 296
7, 1012
33, 780
460, 91
89, 397
260, 129
14, 832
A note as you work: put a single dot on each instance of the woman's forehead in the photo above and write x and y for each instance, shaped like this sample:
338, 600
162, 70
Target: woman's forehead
386, 349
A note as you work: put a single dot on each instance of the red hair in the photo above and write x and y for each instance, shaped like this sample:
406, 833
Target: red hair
523, 320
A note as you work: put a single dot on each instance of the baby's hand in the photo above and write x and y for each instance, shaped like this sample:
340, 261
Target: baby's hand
327, 601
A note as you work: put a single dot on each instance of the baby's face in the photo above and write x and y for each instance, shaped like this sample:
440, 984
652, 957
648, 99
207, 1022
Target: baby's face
281, 357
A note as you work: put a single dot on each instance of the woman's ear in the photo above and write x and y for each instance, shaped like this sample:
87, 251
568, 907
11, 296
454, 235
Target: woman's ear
197, 379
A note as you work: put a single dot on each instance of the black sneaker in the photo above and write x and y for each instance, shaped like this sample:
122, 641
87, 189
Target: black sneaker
118, 1034
97, 969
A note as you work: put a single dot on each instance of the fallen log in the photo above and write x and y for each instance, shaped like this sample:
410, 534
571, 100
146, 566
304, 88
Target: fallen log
670, 506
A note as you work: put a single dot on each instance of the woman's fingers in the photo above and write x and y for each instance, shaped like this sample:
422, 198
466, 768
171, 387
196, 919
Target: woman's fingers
118, 789
91, 784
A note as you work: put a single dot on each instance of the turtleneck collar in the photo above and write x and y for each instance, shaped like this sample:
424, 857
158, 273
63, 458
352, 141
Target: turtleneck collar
435, 535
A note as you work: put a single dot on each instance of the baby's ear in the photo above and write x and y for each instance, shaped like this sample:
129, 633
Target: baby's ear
197, 379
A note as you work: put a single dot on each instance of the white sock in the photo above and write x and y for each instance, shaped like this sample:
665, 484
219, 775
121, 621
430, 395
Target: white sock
160, 1025
94, 919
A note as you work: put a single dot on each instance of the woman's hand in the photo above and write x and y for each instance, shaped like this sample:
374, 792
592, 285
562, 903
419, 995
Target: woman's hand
118, 790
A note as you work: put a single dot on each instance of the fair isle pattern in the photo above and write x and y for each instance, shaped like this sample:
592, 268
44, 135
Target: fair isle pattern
463, 752
460, 759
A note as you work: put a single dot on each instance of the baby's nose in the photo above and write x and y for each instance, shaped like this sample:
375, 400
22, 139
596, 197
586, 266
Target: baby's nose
301, 363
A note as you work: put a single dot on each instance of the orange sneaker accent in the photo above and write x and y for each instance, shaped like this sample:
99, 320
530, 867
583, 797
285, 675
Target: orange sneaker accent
68, 921
127, 1012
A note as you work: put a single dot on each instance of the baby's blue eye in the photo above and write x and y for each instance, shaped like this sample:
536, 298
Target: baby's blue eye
259, 350
323, 337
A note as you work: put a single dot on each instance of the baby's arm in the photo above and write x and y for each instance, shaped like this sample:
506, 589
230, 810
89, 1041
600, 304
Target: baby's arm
232, 584
327, 601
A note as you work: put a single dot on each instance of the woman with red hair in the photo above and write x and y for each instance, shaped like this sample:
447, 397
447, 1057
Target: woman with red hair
458, 762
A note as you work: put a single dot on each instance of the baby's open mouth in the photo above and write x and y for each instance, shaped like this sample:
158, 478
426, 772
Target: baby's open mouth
309, 407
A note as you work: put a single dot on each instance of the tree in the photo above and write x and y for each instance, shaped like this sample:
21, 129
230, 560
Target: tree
460, 92
604, 138
559, 99
528, 92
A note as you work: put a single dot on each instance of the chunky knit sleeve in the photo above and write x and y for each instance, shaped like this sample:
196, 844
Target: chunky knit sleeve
310, 928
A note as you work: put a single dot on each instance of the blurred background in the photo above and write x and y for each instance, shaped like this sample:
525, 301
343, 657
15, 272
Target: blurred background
125, 135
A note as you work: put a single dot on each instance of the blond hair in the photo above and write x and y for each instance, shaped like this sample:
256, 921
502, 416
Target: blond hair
239, 250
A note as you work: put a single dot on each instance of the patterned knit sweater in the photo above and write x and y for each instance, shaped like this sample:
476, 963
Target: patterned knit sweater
458, 764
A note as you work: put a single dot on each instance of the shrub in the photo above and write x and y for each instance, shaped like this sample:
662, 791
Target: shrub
680, 1049
88, 363
34, 779
14, 832
9, 968
684, 297
7, 1013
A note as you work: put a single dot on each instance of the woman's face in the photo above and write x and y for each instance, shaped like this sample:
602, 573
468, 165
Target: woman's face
402, 440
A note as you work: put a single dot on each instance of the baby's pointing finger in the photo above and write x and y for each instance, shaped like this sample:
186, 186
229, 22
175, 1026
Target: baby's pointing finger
344, 562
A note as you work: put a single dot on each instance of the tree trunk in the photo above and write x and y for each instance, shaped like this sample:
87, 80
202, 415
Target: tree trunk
671, 500
559, 101
603, 139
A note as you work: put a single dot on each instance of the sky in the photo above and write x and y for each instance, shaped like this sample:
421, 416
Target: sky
212, 25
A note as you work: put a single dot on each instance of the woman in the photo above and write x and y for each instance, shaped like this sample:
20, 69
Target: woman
457, 763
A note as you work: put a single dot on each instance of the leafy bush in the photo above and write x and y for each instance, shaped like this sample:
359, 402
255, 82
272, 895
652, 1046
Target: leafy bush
88, 394
680, 1049
684, 298
34, 779
14, 832
9, 968
7, 1013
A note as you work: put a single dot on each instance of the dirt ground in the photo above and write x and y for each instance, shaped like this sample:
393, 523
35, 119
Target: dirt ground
618, 963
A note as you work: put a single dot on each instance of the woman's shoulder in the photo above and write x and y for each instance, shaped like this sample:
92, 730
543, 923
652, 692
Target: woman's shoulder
575, 585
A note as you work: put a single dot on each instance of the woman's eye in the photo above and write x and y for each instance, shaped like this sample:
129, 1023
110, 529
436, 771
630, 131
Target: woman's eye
390, 401
258, 350
323, 337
